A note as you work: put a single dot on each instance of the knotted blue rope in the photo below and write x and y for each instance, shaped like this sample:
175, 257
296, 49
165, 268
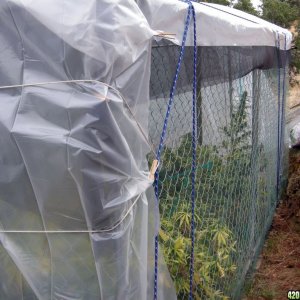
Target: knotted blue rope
191, 11
194, 153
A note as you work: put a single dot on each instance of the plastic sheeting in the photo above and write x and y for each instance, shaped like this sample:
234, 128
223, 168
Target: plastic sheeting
76, 204
74, 189
217, 25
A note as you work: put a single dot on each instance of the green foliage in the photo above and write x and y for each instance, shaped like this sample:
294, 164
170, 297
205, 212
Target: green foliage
246, 6
222, 188
213, 261
295, 4
285, 13
221, 2
279, 12
237, 132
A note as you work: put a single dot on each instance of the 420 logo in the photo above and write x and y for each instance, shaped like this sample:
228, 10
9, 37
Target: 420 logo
293, 294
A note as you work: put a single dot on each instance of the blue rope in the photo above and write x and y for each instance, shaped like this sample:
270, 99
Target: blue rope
194, 142
162, 139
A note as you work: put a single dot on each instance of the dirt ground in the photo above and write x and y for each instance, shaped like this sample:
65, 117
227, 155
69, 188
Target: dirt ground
279, 265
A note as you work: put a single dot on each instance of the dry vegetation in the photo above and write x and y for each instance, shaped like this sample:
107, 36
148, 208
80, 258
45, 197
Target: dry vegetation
279, 269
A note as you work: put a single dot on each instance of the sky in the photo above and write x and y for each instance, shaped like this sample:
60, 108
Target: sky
256, 3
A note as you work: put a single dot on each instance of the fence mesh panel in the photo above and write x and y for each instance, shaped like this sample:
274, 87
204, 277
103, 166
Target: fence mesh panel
237, 163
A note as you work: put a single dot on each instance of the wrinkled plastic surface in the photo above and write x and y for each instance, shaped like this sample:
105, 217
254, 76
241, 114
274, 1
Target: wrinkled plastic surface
77, 215
76, 204
217, 25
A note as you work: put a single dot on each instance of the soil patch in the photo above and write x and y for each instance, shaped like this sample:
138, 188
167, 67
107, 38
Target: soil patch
279, 264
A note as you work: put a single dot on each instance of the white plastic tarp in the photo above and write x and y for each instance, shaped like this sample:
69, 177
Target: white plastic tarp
217, 25
76, 203
75, 193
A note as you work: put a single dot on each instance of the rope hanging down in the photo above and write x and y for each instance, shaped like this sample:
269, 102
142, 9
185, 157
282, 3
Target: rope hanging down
190, 13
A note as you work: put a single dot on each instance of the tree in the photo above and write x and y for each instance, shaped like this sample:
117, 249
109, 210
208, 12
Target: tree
279, 12
221, 2
295, 4
246, 6
284, 13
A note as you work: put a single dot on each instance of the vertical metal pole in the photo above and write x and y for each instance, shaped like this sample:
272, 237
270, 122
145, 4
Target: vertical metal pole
199, 99
283, 104
230, 96
279, 117
254, 155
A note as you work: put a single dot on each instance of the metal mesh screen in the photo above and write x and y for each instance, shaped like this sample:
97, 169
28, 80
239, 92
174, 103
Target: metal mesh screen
238, 168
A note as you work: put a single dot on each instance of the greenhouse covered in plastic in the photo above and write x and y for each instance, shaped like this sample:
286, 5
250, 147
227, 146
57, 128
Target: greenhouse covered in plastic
142, 148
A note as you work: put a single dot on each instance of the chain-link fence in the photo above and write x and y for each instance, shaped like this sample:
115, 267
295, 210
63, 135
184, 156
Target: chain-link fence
239, 161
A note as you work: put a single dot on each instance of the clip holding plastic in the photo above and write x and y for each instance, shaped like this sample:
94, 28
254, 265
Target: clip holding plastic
153, 169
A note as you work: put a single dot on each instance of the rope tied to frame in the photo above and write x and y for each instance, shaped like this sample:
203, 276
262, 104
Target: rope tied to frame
190, 14
140, 128
78, 81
